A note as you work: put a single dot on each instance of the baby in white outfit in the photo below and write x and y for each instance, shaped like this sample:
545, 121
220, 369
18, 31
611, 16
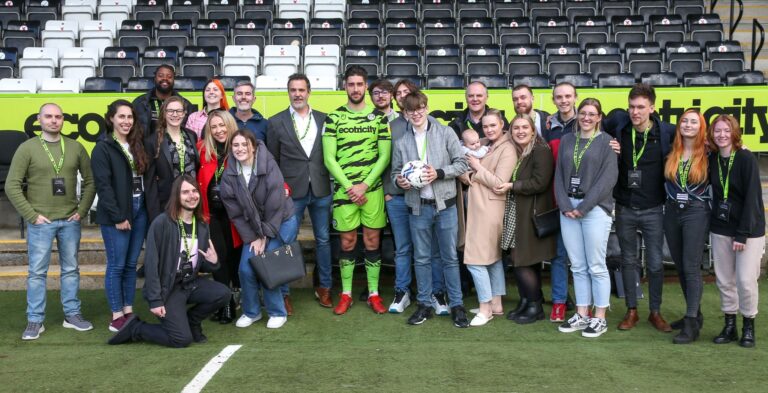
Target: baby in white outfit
471, 144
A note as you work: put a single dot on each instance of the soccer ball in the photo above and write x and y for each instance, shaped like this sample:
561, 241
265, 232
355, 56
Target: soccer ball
413, 171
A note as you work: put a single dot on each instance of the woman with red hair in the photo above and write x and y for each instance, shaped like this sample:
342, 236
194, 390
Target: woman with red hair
738, 228
686, 215
214, 97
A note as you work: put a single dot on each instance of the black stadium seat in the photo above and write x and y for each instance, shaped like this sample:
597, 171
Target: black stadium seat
222, 9
437, 10
288, 31
615, 80
120, 62
477, 31
473, 9
687, 7
508, 9
155, 56
445, 82
702, 79
21, 34
174, 32
553, 30
535, 81
498, 81
401, 9
402, 31
136, 33
363, 31
43, 10
200, 61
603, 59
578, 80
629, 29
191, 10
644, 58
725, 57
514, 30
212, 32
667, 28
364, 9
666, 79
190, 83
230, 82
151, 10
140, 84
579, 8
326, 32
562, 59
614, 10
97, 84
745, 78
590, 29
543, 9
251, 32
11, 10
523, 60
684, 57
650, 8
258, 9
439, 31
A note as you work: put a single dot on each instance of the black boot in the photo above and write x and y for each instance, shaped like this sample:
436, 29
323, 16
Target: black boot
533, 312
748, 333
689, 333
197, 334
228, 312
729, 331
677, 325
217, 315
521, 305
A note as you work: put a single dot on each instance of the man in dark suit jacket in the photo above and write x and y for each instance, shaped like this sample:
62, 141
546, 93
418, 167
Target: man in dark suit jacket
294, 139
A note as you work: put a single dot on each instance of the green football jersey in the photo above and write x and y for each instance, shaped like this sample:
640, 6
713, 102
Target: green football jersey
357, 136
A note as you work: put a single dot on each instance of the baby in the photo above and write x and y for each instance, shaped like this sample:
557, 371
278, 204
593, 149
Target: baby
471, 144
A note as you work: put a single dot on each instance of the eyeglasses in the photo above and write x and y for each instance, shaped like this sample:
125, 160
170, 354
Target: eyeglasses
377, 93
419, 111
588, 114
175, 111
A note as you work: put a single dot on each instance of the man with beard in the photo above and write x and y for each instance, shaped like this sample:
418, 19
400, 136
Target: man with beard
522, 98
472, 117
50, 164
178, 247
294, 139
243, 112
148, 104
381, 91
356, 148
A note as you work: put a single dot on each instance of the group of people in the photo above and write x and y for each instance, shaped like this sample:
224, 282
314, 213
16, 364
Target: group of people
207, 190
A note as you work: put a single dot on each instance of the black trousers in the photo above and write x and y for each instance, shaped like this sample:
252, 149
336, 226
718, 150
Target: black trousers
174, 330
229, 256
686, 231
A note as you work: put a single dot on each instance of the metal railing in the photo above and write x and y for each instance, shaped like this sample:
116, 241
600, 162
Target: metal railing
756, 49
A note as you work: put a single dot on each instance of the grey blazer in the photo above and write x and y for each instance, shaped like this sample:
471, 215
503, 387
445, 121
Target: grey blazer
298, 170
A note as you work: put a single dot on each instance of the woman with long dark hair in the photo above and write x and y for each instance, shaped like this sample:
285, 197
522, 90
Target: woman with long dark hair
686, 216
214, 98
584, 179
118, 162
737, 227
214, 151
173, 152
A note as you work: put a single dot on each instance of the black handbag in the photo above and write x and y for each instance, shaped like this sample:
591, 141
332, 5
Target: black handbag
547, 223
279, 266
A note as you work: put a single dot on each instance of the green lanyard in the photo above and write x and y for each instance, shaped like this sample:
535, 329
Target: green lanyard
423, 154
637, 154
514, 173
727, 176
576, 156
128, 156
683, 167
220, 169
296, 128
182, 151
184, 235
56, 166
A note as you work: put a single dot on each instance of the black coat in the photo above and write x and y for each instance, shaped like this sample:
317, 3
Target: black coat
159, 178
114, 179
161, 258
144, 111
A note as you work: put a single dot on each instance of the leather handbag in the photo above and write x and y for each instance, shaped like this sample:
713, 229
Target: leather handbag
547, 223
279, 266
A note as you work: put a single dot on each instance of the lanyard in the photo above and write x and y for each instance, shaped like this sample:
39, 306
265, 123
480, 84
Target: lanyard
181, 149
727, 176
220, 169
128, 156
576, 156
184, 235
296, 128
683, 167
423, 154
517, 166
637, 154
56, 166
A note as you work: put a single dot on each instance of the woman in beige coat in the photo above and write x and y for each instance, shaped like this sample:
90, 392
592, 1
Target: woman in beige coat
485, 212
529, 190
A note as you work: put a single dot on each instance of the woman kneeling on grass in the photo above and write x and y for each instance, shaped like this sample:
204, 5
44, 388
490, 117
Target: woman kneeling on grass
738, 228
253, 194
584, 179
686, 216
529, 192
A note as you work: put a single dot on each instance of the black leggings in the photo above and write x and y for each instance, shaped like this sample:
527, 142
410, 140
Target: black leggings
229, 256
528, 280
686, 232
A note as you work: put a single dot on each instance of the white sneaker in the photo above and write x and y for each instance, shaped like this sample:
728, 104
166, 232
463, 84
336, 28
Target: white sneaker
439, 304
276, 322
576, 322
245, 321
400, 303
596, 328
480, 320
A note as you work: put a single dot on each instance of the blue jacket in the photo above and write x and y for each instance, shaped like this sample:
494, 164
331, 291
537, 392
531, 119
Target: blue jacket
257, 124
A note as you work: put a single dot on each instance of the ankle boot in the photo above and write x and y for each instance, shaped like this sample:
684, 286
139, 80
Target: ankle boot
677, 325
217, 315
729, 331
531, 313
521, 305
228, 312
748, 333
689, 333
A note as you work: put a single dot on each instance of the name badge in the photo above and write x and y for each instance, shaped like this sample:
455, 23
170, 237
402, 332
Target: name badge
724, 211
137, 185
574, 190
57, 184
634, 178
215, 193
682, 200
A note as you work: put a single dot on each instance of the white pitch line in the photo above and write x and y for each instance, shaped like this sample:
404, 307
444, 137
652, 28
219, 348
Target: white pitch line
204, 376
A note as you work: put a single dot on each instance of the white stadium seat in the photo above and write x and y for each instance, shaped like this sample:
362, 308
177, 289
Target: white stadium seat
79, 63
39, 63
293, 10
97, 34
281, 60
79, 13
321, 60
60, 33
325, 82
271, 82
329, 9
115, 13
241, 60
9, 85
60, 85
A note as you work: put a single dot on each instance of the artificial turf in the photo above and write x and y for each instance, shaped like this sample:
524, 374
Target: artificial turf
364, 352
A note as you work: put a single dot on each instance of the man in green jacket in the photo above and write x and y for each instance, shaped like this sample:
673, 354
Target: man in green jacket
51, 206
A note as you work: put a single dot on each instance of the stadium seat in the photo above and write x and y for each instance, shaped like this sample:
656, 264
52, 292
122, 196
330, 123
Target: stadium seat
280, 60
60, 33
508, 9
97, 34
271, 82
534, 81
482, 59
59, 86
445, 82
615, 80
476, 31
498, 81
120, 62
155, 56
745, 78
185, 83
190, 10
473, 9
293, 9
322, 82
230, 81
704, 28
687, 7
442, 10
140, 84
553, 30
543, 9
222, 9
514, 31
78, 63
21, 34
322, 60
439, 31
174, 32
136, 33
701, 79
150, 10
663, 79
241, 60
667, 28
363, 31
523, 59
212, 32
629, 29
43, 10
616, 9
644, 58
10, 85
578, 80
590, 30
402, 57
329, 9
10, 11
399, 9
38, 64
562, 59
603, 59
8, 61
288, 31
401, 31
101, 84
251, 32
78, 10
114, 11
579, 9
326, 31
650, 8
683, 57
368, 57
258, 9
200, 61
725, 57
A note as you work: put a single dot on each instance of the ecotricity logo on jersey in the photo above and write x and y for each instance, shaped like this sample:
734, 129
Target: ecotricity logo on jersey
357, 130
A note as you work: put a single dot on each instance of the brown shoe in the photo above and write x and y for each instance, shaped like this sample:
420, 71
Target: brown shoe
323, 296
288, 305
630, 320
658, 322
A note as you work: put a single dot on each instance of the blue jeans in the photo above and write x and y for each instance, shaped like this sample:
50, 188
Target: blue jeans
399, 221
442, 226
39, 245
320, 213
250, 285
123, 249
559, 273
586, 240
489, 280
